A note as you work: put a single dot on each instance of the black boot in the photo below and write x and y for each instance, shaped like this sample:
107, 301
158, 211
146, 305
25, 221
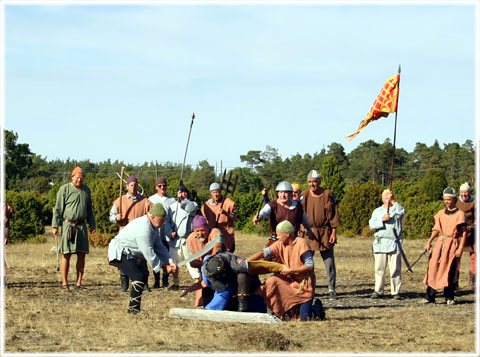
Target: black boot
243, 302
135, 297
318, 311
156, 285
124, 280
165, 279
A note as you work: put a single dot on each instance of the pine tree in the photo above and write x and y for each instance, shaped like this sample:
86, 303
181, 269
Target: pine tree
332, 177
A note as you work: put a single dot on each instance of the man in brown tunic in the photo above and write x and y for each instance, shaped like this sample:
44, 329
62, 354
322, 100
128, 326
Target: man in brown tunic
220, 213
466, 203
134, 205
322, 212
445, 257
281, 209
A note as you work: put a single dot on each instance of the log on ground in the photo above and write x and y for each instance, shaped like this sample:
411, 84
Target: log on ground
224, 316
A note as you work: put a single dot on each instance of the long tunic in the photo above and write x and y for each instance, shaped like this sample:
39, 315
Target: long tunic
73, 206
140, 239
210, 211
322, 213
443, 252
384, 241
281, 293
180, 222
469, 209
131, 209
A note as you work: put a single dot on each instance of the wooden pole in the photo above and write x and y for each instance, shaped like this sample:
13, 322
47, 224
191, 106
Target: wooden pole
122, 170
395, 132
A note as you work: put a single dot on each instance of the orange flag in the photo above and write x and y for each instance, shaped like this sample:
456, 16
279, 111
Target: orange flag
385, 103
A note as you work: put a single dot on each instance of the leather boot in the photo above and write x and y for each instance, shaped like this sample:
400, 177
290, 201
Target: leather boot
124, 280
243, 302
135, 297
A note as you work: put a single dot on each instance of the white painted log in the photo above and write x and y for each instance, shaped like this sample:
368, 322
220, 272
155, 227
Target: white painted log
224, 316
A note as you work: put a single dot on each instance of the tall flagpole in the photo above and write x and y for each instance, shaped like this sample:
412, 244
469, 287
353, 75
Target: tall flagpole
395, 132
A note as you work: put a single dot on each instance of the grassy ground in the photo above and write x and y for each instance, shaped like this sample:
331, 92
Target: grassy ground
41, 318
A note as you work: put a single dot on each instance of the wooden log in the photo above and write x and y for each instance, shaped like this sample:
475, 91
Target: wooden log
224, 316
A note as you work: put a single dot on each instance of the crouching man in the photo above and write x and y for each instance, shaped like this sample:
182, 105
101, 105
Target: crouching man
289, 294
140, 240
227, 277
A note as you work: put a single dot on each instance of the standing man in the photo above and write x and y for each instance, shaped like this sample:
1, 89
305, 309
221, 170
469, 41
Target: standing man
137, 242
166, 200
322, 212
73, 210
385, 219
178, 227
134, 205
444, 260
466, 203
220, 213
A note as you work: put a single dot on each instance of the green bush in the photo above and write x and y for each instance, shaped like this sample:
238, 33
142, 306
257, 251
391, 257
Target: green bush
357, 206
104, 191
246, 205
28, 214
418, 221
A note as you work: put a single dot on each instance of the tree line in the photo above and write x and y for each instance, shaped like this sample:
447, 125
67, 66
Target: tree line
356, 180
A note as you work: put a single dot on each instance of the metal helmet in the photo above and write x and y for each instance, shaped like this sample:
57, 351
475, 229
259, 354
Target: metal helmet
214, 186
284, 186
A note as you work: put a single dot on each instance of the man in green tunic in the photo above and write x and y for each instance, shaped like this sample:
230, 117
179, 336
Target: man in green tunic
73, 210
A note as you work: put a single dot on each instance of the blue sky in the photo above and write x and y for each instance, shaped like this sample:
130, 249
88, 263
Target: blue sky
120, 82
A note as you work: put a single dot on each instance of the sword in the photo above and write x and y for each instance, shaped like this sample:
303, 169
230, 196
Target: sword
415, 262
402, 253
201, 252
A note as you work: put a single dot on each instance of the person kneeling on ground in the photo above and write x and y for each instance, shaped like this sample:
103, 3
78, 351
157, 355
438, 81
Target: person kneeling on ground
289, 294
140, 240
231, 283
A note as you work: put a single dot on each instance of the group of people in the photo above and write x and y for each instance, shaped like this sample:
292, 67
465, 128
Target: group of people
168, 232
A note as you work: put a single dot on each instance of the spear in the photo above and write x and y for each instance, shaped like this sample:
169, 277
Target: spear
183, 165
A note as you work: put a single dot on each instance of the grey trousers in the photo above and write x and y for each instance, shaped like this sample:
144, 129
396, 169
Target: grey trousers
329, 261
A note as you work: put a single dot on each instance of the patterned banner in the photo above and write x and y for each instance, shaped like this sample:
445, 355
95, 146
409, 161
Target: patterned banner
385, 103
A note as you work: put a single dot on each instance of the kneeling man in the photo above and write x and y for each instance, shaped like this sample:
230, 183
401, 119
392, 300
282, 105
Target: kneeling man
289, 294
138, 241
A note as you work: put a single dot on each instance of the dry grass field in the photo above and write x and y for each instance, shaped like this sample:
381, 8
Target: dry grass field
41, 318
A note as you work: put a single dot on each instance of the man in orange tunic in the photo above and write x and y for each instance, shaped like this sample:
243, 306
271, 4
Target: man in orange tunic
290, 293
220, 213
443, 264
196, 241
134, 205
466, 203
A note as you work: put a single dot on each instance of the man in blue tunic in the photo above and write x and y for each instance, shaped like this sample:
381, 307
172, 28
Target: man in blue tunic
385, 219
